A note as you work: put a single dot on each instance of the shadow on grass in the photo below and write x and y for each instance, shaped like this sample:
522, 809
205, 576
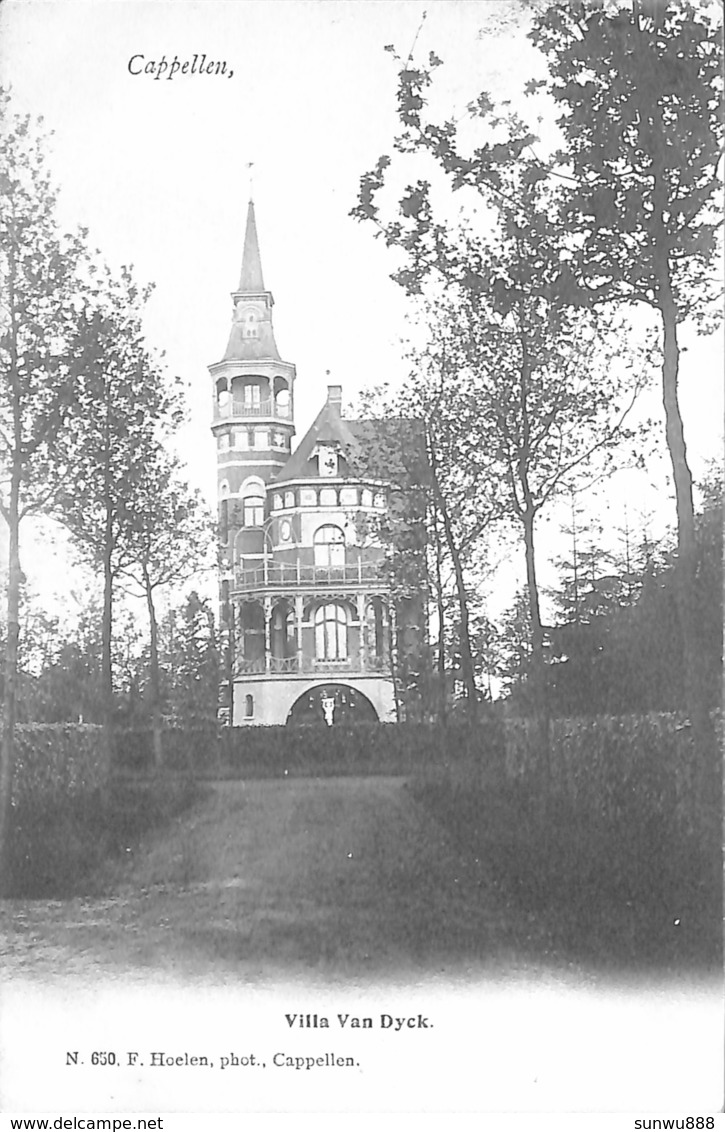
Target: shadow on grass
634, 893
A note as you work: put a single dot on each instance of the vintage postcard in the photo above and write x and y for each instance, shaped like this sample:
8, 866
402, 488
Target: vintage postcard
360, 420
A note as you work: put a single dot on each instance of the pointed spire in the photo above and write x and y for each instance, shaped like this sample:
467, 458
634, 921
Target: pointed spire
251, 278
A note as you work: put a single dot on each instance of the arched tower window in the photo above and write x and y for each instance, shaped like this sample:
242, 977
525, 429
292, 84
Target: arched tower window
329, 544
281, 397
253, 508
223, 396
331, 632
251, 326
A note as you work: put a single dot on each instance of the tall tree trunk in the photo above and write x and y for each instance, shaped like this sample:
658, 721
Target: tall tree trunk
538, 660
107, 558
467, 671
441, 609
107, 643
528, 517
7, 767
394, 653
709, 785
688, 606
154, 678
538, 674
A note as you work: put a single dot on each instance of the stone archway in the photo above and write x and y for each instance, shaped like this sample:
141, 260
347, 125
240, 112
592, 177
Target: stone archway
331, 703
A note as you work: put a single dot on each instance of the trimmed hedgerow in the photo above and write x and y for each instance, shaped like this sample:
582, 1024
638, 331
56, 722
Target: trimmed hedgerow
183, 748
60, 777
69, 814
59, 760
374, 748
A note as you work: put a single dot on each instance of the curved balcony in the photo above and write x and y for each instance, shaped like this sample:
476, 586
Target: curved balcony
276, 575
243, 410
285, 666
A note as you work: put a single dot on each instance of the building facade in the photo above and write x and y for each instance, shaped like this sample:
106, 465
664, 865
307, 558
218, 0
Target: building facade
306, 613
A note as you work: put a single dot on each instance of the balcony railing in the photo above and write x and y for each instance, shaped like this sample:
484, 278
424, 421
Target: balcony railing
280, 666
267, 408
292, 574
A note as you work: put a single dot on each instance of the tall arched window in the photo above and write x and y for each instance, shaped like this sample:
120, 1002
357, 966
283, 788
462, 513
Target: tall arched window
253, 511
282, 641
251, 626
374, 628
331, 632
329, 543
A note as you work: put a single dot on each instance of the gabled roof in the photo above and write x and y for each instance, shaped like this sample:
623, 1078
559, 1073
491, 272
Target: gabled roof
327, 428
379, 450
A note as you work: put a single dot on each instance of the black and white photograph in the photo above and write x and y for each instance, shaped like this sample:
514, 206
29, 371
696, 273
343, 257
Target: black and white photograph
361, 429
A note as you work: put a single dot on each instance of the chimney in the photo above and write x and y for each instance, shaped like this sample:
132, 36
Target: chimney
334, 397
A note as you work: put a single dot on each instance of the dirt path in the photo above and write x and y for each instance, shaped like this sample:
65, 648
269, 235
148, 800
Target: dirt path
325, 877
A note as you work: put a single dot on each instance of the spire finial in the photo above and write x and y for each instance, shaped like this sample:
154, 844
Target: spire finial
251, 277
250, 174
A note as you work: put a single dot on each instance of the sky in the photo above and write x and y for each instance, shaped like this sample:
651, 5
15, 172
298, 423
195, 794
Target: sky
157, 170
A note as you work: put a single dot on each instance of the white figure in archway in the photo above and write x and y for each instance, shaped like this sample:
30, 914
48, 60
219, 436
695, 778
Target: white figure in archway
328, 709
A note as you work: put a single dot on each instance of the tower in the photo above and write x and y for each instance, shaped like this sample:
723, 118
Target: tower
307, 616
253, 409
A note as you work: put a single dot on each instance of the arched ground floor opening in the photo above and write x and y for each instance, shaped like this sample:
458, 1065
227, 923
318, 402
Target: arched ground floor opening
261, 699
332, 704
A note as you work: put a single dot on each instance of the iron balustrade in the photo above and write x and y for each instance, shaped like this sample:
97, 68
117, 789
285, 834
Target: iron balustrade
250, 409
284, 665
297, 574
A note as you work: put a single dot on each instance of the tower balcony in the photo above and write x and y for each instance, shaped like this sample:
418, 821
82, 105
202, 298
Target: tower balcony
260, 410
310, 666
274, 576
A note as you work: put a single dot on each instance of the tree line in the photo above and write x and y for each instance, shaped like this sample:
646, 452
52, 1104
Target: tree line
553, 287
87, 420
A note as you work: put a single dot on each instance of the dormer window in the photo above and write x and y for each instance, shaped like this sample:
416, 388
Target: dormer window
327, 460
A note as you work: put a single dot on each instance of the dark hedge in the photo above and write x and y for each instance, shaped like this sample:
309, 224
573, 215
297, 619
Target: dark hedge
375, 748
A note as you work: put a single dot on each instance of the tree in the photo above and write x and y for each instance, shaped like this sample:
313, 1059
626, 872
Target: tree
390, 449
42, 281
171, 535
616, 644
456, 500
67, 688
640, 87
552, 385
115, 455
513, 652
465, 496
195, 664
